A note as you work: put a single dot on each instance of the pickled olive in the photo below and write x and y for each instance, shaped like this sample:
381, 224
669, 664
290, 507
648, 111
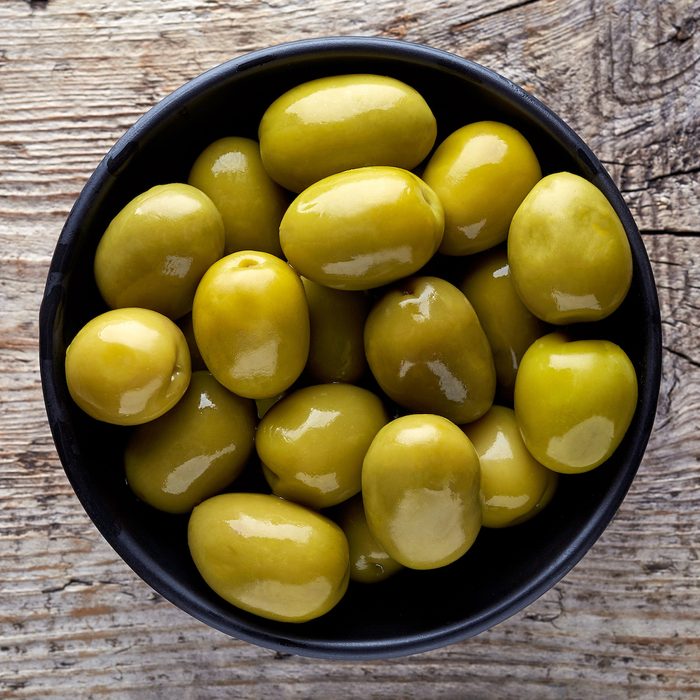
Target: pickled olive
251, 324
362, 228
128, 366
193, 451
428, 352
420, 485
569, 255
514, 486
268, 556
337, 123
574, 401
156, 249
481, 173
369, 562
336, 352
230, 172
313, 441
507, 322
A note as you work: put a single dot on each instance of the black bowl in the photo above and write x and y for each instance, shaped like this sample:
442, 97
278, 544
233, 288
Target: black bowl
416, 610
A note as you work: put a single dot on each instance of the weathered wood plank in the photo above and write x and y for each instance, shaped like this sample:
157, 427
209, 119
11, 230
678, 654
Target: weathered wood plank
75, 621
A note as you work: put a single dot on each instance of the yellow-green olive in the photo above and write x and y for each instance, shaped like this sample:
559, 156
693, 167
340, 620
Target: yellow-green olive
156, 249
268, 556
569, 256
313, 441
337, 351
128, 366
514, 486
230, 172
574, 401
428, 352
507, 322
362, 228
369, 561
251, 324
420, 485
337, 123
193, 451
481, 173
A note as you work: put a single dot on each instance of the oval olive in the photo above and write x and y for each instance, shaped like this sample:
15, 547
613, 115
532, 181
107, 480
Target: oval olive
268, 556
362, 228
156, 249
481, 173
313, 441
128, 366
193, 451
342, 122
337, 351
251, 324
230, 172
568, 252
428, 352
574, 401
514, 486
369, 561
420, 485
509, 325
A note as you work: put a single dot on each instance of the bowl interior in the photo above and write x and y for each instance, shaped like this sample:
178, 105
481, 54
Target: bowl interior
414, 611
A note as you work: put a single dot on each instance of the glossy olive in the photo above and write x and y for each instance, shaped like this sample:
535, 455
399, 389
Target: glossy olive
251, 324
128, 366
509, 325
481, 173
156, 249
230, 172
574, 401
369, 561
313, 441
268, 556
337, 123
193, 451
568, 252
420, 485
514, 486
428, 352
337, 351
362, 228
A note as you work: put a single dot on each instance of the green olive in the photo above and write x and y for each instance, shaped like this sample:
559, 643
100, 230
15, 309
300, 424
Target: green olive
568, 252
369, 561
251, 324
574, 401
420, 485
194, 450
337, 352
313, 441
268, 556
128, 366
514, 486
481, 173
231, 173
428, 352
507, 322
362, 228
156, 249
337, 123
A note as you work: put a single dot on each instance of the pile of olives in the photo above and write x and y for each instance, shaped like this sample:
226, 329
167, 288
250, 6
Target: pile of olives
394, 403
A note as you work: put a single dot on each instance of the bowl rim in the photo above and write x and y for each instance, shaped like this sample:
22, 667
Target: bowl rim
148, 569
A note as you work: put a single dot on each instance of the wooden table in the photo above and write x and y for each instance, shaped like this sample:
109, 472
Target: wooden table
76, 622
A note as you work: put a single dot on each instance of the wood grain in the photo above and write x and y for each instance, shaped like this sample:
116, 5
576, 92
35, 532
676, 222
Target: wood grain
76, 622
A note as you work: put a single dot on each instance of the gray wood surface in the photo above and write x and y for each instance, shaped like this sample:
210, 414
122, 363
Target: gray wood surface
76, 622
